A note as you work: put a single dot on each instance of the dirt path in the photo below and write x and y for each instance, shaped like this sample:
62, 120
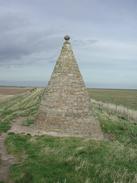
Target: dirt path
6, 161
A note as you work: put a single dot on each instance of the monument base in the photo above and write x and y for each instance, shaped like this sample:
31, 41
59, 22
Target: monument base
85, 127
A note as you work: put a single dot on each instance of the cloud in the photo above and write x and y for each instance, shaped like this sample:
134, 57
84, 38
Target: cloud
21, 40
84, 43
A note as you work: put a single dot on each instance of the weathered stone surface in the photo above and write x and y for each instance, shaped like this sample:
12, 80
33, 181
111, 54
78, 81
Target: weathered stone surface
65, 105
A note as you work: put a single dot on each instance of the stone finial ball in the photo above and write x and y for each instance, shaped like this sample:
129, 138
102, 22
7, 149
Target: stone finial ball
67, 38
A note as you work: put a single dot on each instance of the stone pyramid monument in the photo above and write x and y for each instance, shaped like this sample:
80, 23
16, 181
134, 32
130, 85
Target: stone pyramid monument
65, 105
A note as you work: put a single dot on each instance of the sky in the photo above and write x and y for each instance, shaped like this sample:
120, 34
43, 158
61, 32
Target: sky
103, 37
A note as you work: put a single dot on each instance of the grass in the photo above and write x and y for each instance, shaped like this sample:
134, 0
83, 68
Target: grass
25, 105
71, 160
28, 122
117, 128
127, 98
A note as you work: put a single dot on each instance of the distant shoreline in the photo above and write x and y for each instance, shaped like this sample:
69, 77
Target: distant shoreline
17, 86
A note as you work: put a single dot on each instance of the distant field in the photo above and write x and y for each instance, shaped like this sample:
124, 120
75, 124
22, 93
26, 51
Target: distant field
8, 92
12, 90
127, 98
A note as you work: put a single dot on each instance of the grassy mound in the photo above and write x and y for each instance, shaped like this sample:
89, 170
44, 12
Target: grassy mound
65, 159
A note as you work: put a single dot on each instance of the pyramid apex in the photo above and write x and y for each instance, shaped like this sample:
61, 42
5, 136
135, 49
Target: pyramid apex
67, 38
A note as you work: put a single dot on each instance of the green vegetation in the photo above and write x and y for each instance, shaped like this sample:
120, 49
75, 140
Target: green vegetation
127, 98
25, 105
28, 122
117, 128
